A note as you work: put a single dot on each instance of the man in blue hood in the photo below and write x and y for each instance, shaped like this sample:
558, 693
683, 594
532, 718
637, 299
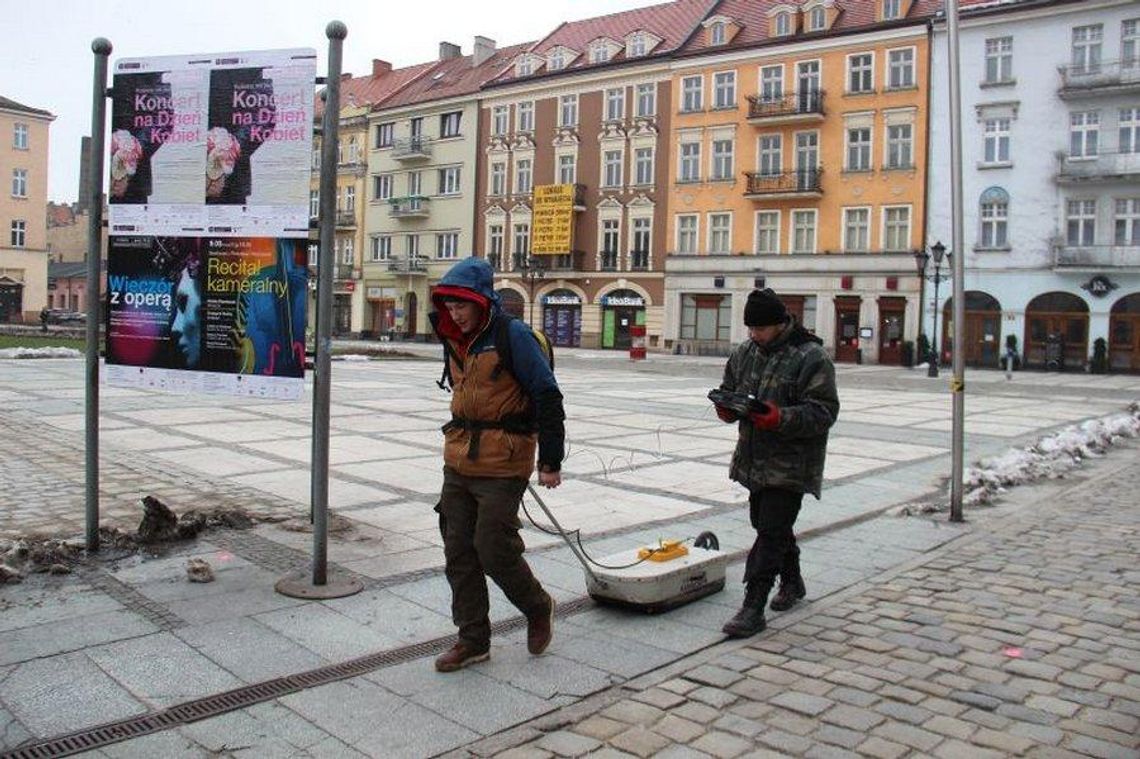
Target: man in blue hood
503, 408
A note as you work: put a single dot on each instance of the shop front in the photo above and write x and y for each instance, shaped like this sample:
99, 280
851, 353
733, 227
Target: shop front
1057, 332
381, 319
562, 318
621, 310
847, 329
1124, 335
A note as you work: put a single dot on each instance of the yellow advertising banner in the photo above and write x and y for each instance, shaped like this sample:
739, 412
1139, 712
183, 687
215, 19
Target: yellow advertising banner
553, 219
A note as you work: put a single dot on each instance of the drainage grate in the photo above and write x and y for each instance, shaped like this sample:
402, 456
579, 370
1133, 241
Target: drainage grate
248, 695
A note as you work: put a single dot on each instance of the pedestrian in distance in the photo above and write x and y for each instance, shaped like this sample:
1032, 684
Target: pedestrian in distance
780, 450
503, 407
44, 314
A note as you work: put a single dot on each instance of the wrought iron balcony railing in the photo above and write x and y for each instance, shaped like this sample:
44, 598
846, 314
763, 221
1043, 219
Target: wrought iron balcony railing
408, 265
790, 184
1078, 78
411, 148
1101, 167
410, 207
794, 106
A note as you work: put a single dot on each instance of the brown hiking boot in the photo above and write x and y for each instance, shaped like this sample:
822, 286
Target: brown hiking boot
789, 594
540, 629
459, 656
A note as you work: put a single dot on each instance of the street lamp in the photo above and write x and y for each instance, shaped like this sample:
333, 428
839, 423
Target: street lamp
531, 268
938, 250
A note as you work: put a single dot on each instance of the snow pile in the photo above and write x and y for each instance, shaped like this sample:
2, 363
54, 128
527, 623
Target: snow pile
1050, 457
57, 352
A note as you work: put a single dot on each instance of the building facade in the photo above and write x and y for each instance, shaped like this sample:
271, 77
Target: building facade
1051, 181
23, 210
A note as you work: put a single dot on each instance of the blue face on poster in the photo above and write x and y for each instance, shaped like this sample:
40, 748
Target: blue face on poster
186, 329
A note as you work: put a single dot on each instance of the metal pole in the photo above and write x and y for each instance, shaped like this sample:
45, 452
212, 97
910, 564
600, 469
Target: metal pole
958, 265
322, 367
102, 49
932, 368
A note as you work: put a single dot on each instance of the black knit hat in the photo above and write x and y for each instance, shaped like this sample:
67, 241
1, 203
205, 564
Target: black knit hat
764, 309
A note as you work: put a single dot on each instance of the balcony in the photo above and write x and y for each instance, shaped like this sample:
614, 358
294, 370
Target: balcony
608, 261
800, 107
1097, 257
345, 219
413, 265
571, 261
410, 207
412, 149
343, 272
789, 184
1101, 78
639, 260
1104, 167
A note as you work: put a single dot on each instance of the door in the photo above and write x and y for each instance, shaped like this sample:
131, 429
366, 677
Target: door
847, 330
410, 313
1124, 335
807, 86
983, 339
891, 314
807, 158
11, 301
1057, 328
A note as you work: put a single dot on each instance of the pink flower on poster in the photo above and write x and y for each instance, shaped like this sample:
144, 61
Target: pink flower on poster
126, 152
222, 153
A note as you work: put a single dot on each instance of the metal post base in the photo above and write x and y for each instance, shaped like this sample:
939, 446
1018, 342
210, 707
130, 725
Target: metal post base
300, 585
932, 369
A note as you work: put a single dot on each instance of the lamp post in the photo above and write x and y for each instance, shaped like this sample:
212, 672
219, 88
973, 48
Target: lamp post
938, 251
532, 269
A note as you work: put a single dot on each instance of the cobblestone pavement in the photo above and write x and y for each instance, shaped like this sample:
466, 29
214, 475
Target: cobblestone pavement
1018, 640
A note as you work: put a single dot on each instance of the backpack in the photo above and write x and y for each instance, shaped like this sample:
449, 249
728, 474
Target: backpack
501, 329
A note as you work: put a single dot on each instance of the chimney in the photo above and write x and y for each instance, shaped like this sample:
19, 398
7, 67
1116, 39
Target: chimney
448, 50
379, 67
484, 49
345, 76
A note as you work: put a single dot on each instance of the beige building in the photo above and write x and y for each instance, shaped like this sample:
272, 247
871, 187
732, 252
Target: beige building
23, 204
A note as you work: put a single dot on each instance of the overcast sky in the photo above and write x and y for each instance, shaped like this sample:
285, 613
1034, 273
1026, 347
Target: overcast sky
46, 60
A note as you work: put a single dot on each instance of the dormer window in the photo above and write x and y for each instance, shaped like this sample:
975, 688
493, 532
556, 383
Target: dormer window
717, 33
524, 66
892, 9
817, 19
636, 45
599, 52
556, 61
783, 24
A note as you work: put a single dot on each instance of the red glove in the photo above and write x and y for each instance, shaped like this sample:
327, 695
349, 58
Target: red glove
726, 415
769, 419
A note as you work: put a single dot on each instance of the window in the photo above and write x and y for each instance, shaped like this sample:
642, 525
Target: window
381, 186
611, 168
499, 116
20, 136
347, 251
599, 52
498, 178
717, 33
1081, 222
643, 166
568, 111
706, 317
556, 61
350, 199
384, 135
817, 19
637, 45
1127, 221
771, 83
615, 104
416, 128
381, 247
19, 183
646, 100
720, 233
771, 155
611, 243
315, 202
859, 149
856, 230
522, 176
353, 150
1129, 43
691, 93
783, 24
521, 247
19, 230
994, 214
900, 68
415, 185
316, 162
996, 141
896, 228
447, 245
900, 141
722, 159
861, 73
767, 232
639, 254
891, 9
724, 89
999, 60
524, 66
412, 246
495, 242
690, 164
449, 124
449, 180
1129, 141
1087, 48
687, 233
1084, 133
803, 231
567, 169
525, 113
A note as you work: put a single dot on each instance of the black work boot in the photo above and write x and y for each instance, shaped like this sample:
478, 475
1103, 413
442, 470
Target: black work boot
750, 619
790, 592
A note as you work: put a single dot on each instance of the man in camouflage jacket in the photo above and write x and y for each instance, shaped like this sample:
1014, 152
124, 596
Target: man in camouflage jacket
780, 451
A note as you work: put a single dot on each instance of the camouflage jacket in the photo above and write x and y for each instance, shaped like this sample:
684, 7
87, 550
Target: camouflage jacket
795, 373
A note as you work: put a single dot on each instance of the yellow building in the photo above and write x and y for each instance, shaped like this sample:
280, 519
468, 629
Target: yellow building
799, 152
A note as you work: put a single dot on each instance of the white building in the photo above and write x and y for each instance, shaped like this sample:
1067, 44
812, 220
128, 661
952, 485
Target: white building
1051, 179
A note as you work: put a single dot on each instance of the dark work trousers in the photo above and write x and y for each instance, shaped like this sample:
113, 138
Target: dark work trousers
479, 521
773, 512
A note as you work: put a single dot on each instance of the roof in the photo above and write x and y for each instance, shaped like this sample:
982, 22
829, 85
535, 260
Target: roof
67, 269
753, 18
60, 214
452, 77
12, 105
373, 88
671, 22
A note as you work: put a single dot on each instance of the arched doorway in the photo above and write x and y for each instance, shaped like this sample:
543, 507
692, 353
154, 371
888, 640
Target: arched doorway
1124, 335
411, 306
981, 337
621, 309
512, 303
562, 318
11, 300
1056, 332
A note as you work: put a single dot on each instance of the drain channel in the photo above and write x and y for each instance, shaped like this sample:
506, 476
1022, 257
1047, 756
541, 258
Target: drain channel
248, 695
